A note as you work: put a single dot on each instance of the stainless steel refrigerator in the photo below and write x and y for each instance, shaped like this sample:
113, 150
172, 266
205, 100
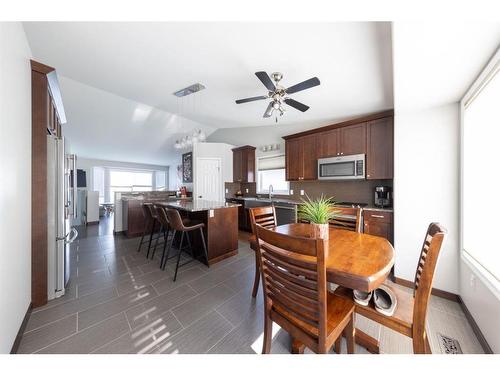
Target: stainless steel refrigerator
61, 209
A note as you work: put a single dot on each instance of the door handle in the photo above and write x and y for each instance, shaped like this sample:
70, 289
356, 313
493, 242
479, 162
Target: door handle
75, 234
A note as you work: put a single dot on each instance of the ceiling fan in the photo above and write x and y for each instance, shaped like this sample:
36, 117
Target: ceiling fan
279, 94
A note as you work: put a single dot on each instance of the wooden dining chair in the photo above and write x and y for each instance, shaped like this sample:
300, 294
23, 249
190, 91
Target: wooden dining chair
344, 219
411, 310
295, 292
266, 217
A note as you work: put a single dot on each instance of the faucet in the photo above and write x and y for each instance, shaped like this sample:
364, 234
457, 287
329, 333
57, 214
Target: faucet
270, 192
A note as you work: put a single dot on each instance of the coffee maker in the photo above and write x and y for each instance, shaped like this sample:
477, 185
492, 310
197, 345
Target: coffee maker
383, 196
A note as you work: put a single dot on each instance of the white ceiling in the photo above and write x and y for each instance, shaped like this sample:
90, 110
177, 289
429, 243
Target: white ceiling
147, 62
105, 126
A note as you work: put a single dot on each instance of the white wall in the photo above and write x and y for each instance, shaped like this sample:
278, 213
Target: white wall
426, 176
15, 181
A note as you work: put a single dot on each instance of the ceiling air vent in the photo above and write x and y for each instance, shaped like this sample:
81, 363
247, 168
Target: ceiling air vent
189, 90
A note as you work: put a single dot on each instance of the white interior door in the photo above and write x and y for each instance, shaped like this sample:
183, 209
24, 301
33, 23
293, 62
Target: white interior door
208, 179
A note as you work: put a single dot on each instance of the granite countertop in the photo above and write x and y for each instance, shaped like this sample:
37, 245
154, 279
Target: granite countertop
149, 199
196, 205
293, 201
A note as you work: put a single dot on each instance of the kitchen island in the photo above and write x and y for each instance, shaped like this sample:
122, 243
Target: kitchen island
221, 225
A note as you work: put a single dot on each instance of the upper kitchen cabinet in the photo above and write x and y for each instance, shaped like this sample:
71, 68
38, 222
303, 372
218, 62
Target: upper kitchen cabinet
379, 157
353, 140
301, 158
328, 143
350, 140
244, 164
370, 135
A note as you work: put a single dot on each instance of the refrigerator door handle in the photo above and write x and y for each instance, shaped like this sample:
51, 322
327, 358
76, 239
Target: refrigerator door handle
75, 187
64, 237
75, 235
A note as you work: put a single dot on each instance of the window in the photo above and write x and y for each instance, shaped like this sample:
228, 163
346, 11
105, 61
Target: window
480, 161
160, 179
271, 171
127, 181
98, 182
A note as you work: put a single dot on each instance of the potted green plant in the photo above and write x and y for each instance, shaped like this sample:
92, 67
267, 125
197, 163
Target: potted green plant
318, 212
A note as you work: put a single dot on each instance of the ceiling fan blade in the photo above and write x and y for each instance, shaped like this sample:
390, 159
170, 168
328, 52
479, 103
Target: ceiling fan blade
297, 105
246, 100
307, 84
269, 110
264, 78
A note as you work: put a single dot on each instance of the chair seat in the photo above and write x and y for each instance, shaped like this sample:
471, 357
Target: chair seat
401, 321
339, 310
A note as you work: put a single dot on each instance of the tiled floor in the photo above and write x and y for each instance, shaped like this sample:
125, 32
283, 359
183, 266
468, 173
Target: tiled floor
120, 302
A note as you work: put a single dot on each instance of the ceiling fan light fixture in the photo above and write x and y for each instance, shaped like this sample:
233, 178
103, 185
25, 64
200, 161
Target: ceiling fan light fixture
279, 94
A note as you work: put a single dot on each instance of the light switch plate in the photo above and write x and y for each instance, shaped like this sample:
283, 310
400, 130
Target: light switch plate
302, 192
227, 191
211, 213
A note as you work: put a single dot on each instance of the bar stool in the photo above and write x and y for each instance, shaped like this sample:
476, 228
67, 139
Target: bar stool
151, 218
163, 219
148, 225
178, 225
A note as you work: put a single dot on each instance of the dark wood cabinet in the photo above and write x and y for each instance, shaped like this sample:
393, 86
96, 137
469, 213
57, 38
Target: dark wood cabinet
47, 115
293, 159
379, 156
371, 135
309, 158
301, 158
328, 143
353, 140
378, 223
244, 164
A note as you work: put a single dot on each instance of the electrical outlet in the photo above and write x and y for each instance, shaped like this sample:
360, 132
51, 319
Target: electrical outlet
227, 191
302, 192
291, 191
246, 191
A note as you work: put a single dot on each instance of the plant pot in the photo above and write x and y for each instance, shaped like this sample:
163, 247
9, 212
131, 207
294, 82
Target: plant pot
320, 231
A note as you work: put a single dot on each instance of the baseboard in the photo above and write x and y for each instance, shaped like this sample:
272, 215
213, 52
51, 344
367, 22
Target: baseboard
19, 336
436, 292
93, 222
480, 337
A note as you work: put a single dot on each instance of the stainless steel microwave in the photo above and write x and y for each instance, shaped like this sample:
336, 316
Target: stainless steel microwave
349, 167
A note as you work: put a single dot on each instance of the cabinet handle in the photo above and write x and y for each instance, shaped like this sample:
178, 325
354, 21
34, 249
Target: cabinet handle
379, 216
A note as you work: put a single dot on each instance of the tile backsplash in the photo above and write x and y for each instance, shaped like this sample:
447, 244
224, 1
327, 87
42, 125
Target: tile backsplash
341, 191
233, 187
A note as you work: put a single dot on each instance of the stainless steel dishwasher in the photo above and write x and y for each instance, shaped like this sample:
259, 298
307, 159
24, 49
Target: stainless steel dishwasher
286, 213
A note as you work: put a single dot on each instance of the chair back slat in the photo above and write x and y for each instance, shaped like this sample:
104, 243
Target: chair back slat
424, 274
343, 219
264, 216
294, 280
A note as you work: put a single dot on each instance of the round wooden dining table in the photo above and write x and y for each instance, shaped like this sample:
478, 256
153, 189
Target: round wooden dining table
354, 260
